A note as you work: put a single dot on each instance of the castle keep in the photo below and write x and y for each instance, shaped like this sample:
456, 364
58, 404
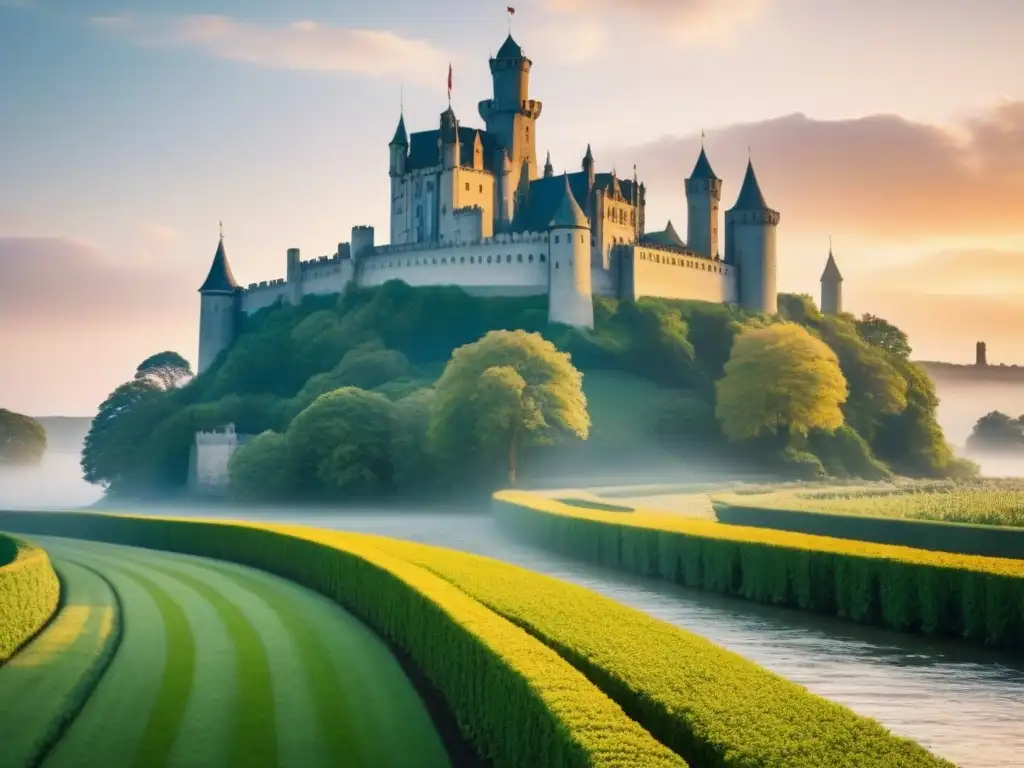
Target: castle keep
470, 207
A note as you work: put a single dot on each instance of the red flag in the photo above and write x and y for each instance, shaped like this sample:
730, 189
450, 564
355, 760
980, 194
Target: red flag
511, 10
449, 82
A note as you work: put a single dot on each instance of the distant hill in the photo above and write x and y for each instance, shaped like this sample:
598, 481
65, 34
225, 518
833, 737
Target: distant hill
65, 433
951, 372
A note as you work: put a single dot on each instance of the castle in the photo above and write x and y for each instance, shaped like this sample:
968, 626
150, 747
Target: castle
469, 207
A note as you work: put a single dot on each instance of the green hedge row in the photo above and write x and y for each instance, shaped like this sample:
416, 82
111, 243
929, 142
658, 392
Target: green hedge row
933, 535
515, 700
908, 590
29, 594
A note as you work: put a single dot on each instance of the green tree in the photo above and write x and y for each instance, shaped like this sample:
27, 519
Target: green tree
884, 335
780, 379
22, 439
124, 419
411, 459
166, 370
260, 470
341, 444
502, 394
712, 331
997, 431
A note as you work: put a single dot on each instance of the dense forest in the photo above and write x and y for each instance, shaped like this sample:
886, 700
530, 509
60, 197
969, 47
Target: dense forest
361, 393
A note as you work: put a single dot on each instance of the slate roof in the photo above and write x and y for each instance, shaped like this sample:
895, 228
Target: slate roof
702, 170
220, 279
423, 151
509, 50
546, 195
401, 138
667, 236
750, 198
569, 213
831, 270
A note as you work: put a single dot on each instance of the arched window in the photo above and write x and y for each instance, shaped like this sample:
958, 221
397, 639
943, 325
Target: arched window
472, 260
556, 238
543, 257
488, 259
508, 258
519, 258
462, 260
530, 258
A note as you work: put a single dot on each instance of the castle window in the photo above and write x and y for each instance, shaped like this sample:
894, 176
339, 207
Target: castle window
481, 187
467, 186
508, 258
444, 261
556, 238
530, 258
488, 259
543, 258
583, 239
472, 260
592, 242
519, 258
462, 260
556, 265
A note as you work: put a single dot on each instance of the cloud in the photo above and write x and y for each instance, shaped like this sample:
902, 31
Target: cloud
299, 45
880, 176
54, 283
682, 22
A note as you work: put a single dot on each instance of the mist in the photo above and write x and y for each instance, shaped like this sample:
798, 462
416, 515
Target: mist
962, 403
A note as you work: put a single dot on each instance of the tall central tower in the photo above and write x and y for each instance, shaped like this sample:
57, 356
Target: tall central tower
511, 114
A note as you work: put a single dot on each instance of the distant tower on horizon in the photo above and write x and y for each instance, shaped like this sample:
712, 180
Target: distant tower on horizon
980, 355
831, 286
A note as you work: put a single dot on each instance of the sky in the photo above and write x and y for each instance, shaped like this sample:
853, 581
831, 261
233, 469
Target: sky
129, 130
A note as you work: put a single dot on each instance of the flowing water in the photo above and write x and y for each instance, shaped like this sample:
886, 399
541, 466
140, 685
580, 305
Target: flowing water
963, 703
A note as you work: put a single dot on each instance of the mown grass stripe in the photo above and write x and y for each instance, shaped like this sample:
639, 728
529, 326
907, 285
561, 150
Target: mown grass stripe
359, 689
128, 688
254, 740
168, 712
45, 685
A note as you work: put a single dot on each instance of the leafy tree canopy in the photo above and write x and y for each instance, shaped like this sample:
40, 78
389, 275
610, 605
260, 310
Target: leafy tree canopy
884, 335
780, 378
997, 431
22, 438
506, 392
165, 369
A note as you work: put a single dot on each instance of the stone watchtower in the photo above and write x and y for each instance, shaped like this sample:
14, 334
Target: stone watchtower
831, 287
511, 114
570, 296
750, 229
218, 307
980, 355
703, 194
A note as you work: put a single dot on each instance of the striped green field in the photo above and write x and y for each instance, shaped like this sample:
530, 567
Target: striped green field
223, 665
44, 685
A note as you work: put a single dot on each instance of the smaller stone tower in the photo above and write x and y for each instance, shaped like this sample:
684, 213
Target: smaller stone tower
399, 148
549, 170
750, 228
831, 287
588, 167
703, 194
218, 306
570, 297
980, 355
510, 114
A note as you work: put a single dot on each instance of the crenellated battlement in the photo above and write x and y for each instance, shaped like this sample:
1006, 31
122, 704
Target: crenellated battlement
266, 284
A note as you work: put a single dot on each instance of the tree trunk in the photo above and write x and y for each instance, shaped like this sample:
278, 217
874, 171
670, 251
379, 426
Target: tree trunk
512, 458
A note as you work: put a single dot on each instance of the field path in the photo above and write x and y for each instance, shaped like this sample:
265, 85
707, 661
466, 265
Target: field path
43, 686
225, 665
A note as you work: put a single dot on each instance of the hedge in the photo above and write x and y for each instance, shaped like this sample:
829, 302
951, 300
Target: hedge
516, 701
711, 706
934, 535
909, 590
29, 593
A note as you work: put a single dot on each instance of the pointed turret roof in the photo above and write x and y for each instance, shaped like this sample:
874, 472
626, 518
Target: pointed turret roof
831, 270
667, 236
219, 279
509, 50
588, 158
549, 169
401, 138
750, 198
702, 170
449, 126
569, 213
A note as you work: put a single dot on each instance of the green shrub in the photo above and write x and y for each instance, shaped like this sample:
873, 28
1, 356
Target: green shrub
909, 590
515, 700
29, 593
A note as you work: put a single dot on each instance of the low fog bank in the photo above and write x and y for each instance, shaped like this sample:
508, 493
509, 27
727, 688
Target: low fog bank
961, 404
56, 482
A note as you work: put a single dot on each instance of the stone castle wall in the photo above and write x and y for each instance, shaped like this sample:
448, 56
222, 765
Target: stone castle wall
671, 274
211, 453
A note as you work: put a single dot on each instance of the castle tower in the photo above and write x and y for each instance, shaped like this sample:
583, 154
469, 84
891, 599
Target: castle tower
588, 167
399, 157
980, 355
549, 169
218, 305
831, 287
399, 148
750, 229
570, 296
449, 140
511, 114
703, 194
